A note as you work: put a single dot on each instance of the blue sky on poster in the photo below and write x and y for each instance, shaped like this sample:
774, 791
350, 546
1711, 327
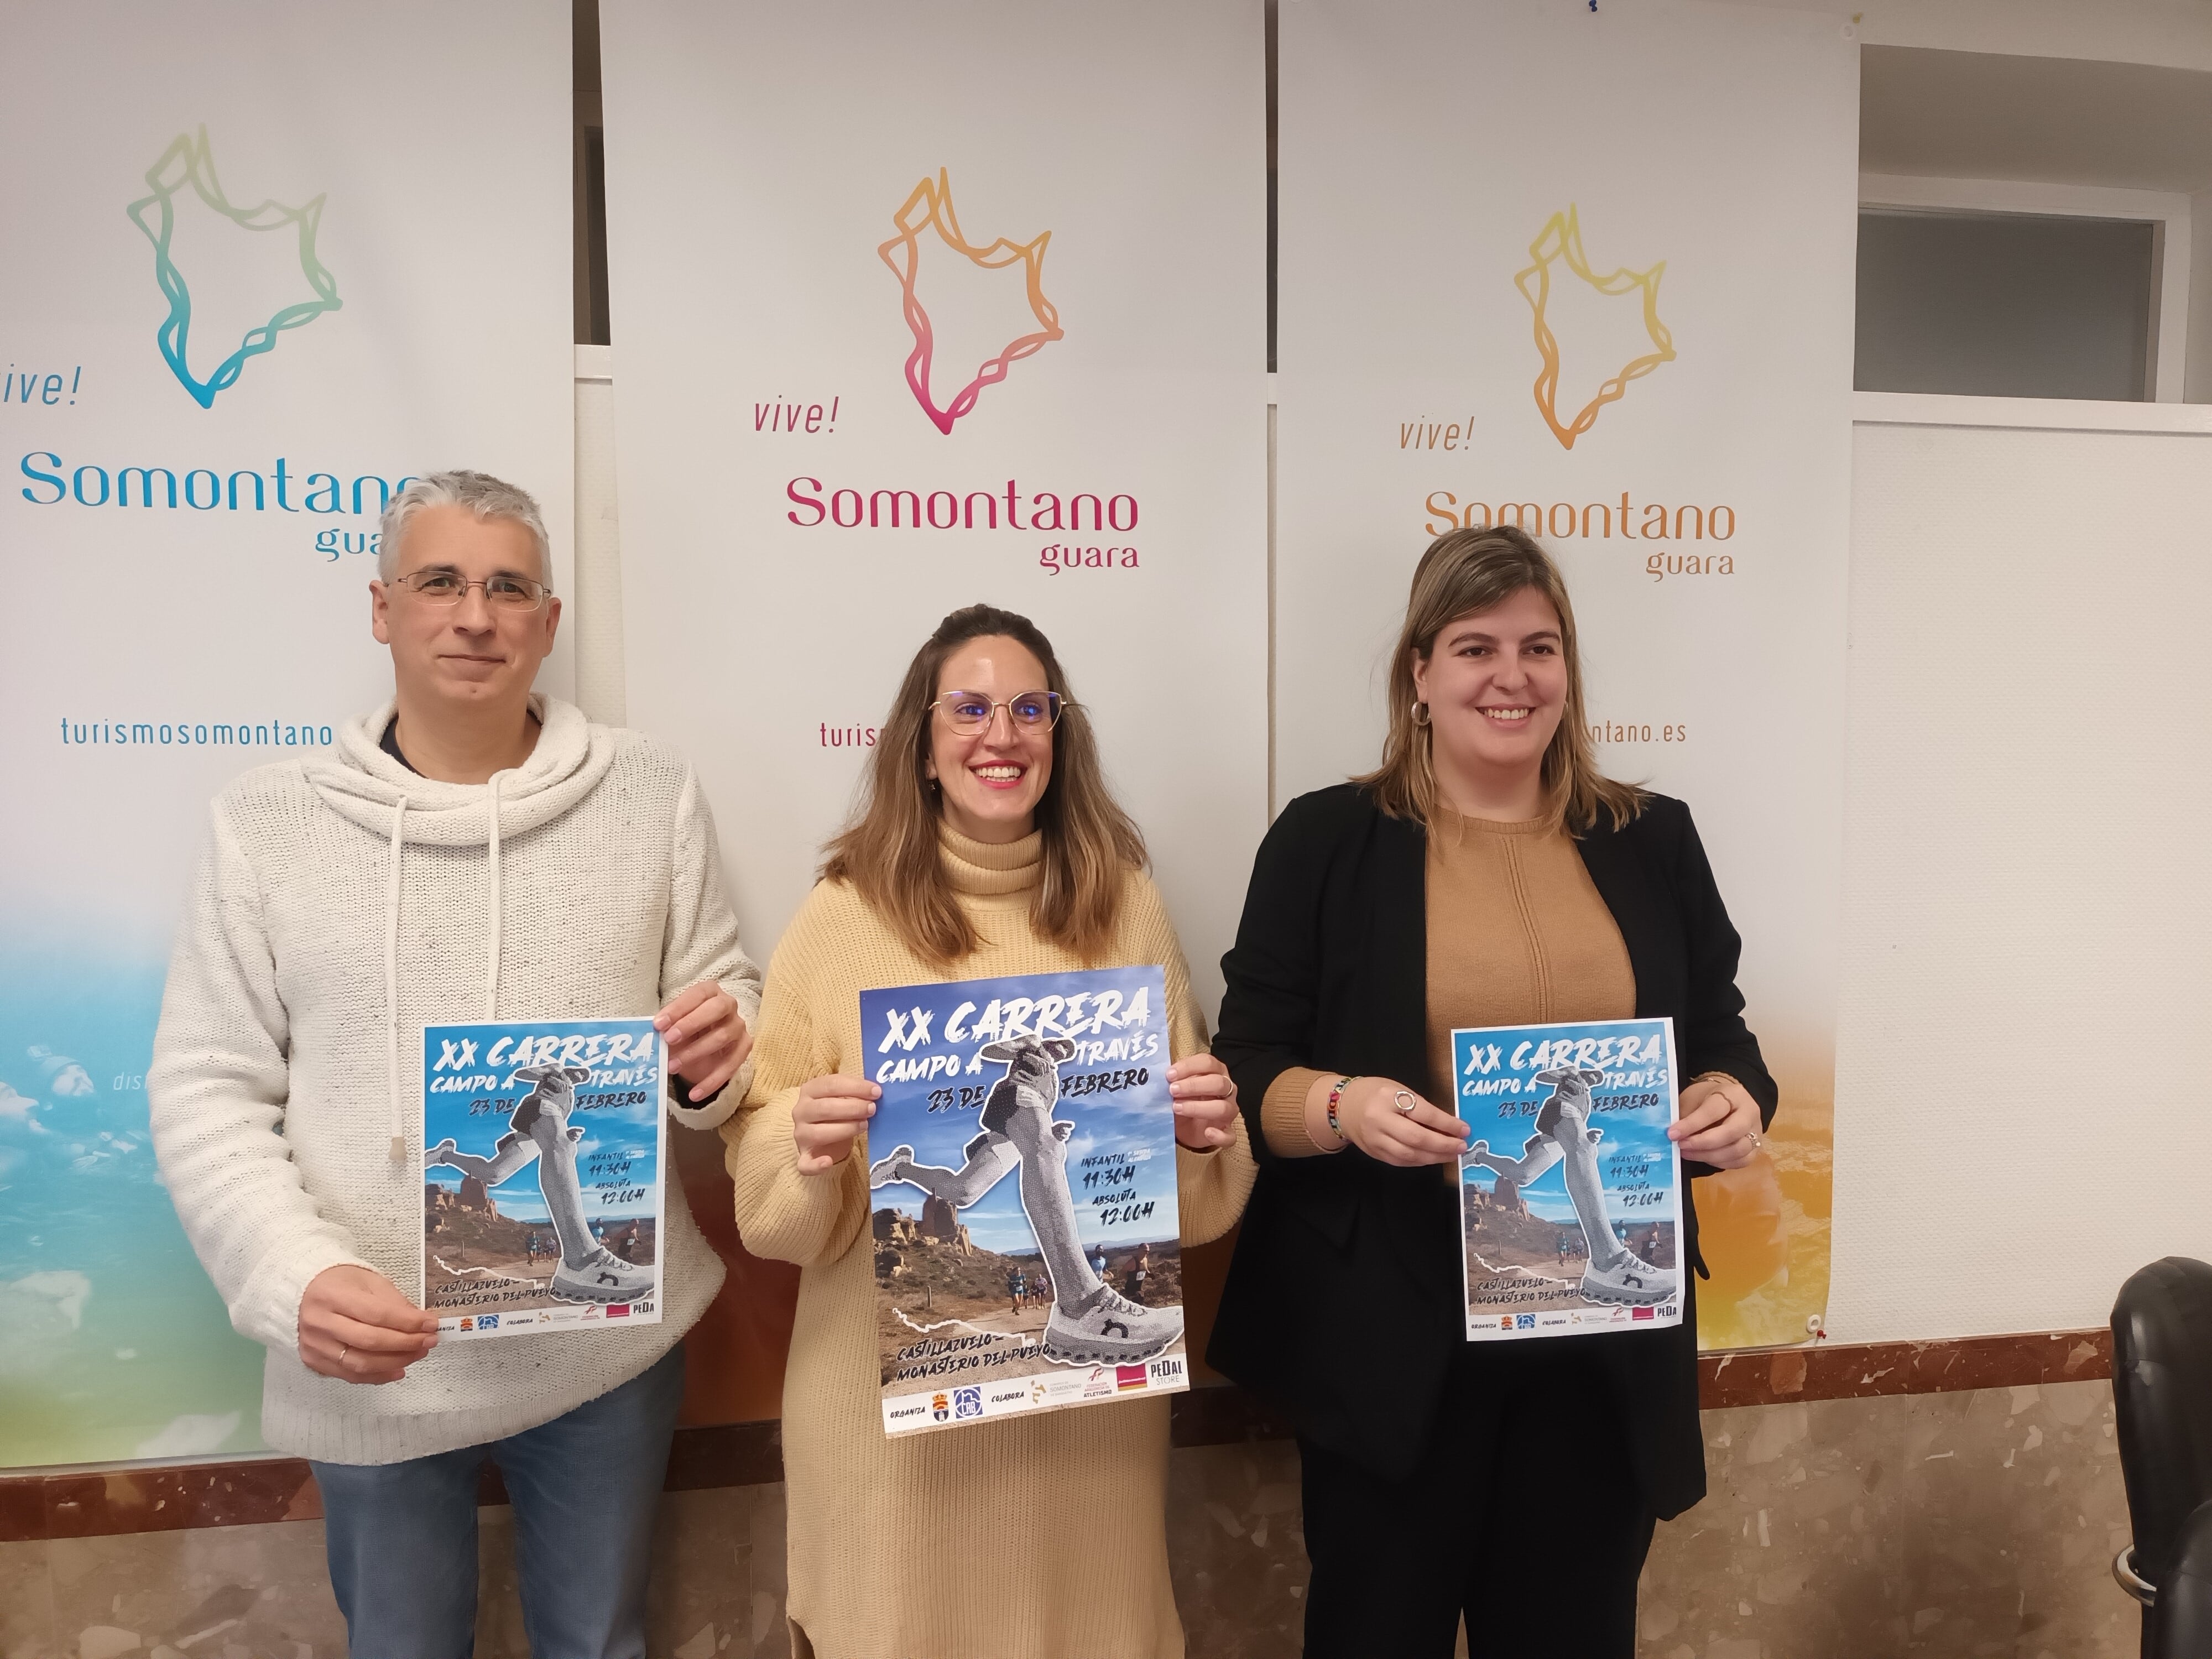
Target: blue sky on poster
1502, 1116
628, 1131
923, 1044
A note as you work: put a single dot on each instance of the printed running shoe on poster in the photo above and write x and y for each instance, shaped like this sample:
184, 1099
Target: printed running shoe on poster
1028, 1252
1570, 1192
542, 1150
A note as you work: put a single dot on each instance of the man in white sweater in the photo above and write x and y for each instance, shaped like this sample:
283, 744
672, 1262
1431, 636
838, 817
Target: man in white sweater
470, 852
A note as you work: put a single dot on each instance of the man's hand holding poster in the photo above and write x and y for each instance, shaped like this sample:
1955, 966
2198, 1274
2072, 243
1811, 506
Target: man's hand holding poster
1027, 1245
1569, 1191
542, 1160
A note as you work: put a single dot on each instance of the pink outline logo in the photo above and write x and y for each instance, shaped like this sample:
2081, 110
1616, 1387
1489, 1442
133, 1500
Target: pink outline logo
930, 208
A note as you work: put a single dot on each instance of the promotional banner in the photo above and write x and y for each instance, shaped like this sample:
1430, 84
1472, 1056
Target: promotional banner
578, 1104
1028, 1250
242, 310
1569, 1194
919, 306
1588, 270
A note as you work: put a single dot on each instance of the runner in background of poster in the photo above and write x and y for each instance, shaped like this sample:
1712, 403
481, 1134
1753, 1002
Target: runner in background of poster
1027, 1238
1616, 312
1569, 1193
543, 1147
240, 320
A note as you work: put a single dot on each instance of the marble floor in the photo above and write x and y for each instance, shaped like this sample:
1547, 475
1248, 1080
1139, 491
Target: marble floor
1950, 1525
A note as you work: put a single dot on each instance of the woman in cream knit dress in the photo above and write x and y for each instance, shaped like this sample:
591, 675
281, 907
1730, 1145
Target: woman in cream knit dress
987, 846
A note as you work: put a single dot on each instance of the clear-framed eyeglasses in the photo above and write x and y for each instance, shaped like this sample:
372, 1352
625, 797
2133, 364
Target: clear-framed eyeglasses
504, 591
969, 712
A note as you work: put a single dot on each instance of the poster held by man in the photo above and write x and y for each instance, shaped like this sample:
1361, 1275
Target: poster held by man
474, 845
577, 1104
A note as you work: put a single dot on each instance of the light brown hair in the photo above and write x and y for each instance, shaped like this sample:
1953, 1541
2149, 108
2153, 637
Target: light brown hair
1463, 572
889, 849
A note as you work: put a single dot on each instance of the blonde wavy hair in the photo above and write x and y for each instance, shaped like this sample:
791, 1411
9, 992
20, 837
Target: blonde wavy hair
1463, 572
889, 850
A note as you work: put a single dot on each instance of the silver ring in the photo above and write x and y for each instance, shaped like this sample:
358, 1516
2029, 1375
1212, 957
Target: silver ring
345, 1348
1405, 1102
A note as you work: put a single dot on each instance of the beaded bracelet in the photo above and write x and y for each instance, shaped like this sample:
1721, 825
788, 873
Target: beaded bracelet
1335, 1094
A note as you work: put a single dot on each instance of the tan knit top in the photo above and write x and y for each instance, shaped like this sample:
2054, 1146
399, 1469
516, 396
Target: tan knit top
1010, 1539
1517, 936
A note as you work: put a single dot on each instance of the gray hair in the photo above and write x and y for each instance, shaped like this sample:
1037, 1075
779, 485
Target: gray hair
480, 493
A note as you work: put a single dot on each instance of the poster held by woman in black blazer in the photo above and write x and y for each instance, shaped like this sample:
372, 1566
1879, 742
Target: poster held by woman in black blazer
1487, 874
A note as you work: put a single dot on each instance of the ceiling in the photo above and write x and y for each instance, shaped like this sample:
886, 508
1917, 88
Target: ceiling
2052, 120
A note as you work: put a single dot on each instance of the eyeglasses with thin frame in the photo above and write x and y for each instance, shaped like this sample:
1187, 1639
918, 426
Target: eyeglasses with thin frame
969, 712
505, 591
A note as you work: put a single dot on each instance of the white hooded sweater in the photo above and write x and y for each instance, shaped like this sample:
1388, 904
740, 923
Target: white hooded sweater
343, 902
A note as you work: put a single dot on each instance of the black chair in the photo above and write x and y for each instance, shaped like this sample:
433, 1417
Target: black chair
2162, 1393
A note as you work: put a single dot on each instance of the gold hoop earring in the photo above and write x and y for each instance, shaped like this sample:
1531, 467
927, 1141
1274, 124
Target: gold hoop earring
1420, 713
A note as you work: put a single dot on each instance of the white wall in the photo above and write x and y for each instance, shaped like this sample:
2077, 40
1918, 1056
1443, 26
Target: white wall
595, 619
2028, 736
2175, 33
2198, 383
2021, 1114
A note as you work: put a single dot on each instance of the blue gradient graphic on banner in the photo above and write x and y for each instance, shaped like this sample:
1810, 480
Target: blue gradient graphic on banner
188, 162
116, 1345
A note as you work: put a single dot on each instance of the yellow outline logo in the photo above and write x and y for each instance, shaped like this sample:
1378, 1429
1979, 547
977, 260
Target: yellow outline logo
1561, 239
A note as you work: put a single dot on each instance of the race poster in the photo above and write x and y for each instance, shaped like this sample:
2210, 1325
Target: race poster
543, 1147
1027, 1248
1570, 1192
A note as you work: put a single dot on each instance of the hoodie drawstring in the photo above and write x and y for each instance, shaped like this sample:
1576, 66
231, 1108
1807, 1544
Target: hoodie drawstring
492, 913
391, 980
492, 908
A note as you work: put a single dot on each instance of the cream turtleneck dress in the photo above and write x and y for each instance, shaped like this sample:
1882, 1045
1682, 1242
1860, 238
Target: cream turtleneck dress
1035, 1537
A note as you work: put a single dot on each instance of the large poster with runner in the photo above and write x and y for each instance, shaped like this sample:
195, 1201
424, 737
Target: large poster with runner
265, 264
918, 305
1588, 270
1028, 1248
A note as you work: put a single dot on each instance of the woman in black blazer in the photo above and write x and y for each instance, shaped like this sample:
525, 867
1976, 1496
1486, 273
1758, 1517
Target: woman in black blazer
1485, 874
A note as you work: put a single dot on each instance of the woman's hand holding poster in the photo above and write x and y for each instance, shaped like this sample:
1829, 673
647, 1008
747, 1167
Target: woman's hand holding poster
1569, 1191
1027, 1245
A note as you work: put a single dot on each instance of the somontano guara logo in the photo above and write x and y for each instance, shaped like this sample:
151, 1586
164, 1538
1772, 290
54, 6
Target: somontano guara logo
189, 162
929, 208
1649, 521
55, 482
1637, 521
846, 507
1560, 242
94, 483
1557, 254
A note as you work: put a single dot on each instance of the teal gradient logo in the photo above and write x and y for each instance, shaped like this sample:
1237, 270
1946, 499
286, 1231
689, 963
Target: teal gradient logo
187, 163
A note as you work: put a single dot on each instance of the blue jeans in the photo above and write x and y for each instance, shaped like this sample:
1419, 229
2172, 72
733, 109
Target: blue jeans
402, 1537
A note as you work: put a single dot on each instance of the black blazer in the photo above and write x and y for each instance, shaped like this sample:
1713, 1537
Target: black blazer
1344, 1305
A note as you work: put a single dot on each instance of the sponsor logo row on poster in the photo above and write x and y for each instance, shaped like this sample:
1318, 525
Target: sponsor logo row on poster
972, 1401
534, 1318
